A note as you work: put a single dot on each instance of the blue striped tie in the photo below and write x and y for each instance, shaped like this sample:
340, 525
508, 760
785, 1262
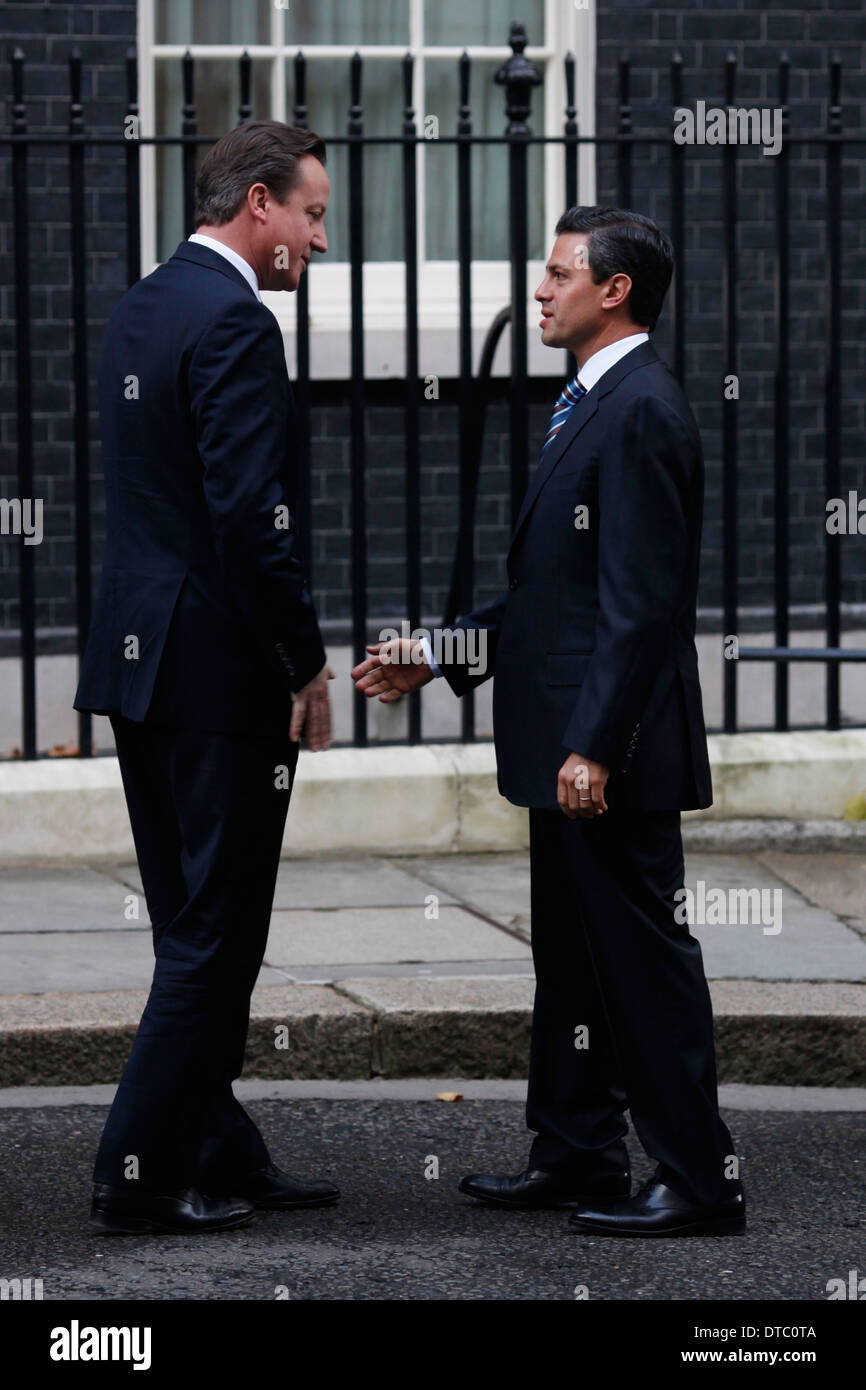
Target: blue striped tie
566, 402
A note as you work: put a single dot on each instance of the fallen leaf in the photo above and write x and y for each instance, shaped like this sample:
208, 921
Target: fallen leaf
63, 750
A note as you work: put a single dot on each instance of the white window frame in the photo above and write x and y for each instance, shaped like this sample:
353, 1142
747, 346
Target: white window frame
569, 25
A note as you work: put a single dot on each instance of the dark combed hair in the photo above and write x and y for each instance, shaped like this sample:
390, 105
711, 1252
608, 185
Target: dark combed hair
626, 243
265, 152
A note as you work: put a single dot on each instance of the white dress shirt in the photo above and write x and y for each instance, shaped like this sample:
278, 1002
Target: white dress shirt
233, 258
589, 375
595, 367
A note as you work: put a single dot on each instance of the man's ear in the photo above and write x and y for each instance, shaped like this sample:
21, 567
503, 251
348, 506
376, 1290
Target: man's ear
257, 201
618, 290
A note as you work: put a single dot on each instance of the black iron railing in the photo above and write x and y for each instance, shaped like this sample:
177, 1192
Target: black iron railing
517, 77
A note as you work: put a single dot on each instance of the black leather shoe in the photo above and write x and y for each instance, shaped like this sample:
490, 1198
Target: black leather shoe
536, 1190
269, 1189
656, 1210
116, 1211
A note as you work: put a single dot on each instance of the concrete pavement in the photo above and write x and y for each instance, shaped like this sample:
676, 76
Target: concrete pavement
421, 965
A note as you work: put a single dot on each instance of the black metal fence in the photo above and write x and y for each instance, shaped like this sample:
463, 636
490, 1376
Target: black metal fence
517, 77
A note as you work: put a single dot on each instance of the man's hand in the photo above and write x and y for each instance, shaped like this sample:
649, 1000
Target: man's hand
580, 787
392, 669
311, 712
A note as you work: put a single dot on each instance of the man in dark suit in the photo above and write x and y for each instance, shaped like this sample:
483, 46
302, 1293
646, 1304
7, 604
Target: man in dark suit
599, 730
205, 653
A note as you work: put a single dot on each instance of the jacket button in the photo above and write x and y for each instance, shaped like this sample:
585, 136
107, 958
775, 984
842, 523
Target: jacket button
513, 584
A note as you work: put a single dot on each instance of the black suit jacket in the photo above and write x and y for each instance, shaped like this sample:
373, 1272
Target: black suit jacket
201, 563
592, 646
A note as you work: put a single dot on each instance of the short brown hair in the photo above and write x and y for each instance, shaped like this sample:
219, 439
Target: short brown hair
265, 152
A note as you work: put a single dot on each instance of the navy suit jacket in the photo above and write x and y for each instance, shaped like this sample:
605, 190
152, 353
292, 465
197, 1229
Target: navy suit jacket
203, 618
592, 646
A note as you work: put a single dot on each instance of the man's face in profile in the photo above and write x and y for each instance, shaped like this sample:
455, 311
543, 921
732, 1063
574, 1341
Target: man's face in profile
570, 301
296, 227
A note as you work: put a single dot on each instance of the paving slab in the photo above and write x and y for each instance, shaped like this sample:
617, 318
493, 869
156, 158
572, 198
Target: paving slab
418, 995
330, 942
464, 996
391, 934
810, 943
70, 899
35, 962
126, 873
496, 885
834, 880
813, 942
351, 882
43, 1013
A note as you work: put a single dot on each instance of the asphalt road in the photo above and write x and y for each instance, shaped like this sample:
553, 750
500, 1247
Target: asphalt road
398, 1235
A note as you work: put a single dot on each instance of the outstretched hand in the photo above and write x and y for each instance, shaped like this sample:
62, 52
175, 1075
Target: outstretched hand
392, 669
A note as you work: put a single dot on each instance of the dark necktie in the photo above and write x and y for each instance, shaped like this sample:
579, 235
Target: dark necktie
566, 402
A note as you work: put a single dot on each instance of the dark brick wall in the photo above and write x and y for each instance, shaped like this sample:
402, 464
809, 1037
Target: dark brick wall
47, 33
757, 33
386, 511
704, 31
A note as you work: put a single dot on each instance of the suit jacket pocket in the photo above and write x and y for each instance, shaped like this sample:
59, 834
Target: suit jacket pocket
566, 668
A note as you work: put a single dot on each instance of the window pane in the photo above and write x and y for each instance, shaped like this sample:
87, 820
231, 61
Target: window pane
328, 101
213, 21
347, 21
217, 96
452, 22
489, 190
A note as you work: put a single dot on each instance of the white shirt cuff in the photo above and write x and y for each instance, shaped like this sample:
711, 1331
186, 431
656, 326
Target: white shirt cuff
428, 656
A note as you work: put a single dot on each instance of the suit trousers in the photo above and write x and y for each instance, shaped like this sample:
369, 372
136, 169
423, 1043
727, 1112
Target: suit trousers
622, 1015
208, 812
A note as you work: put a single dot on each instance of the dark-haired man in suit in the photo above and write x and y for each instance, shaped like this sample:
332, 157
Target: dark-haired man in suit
599, 730
205, 652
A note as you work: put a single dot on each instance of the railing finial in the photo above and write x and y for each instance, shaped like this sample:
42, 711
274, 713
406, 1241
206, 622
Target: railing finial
518, 76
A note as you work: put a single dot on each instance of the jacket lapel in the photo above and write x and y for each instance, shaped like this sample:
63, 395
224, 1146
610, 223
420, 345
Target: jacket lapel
581, 415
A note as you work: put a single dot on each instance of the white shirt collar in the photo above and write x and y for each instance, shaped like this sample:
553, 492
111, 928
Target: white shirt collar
595, 367
234, 259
